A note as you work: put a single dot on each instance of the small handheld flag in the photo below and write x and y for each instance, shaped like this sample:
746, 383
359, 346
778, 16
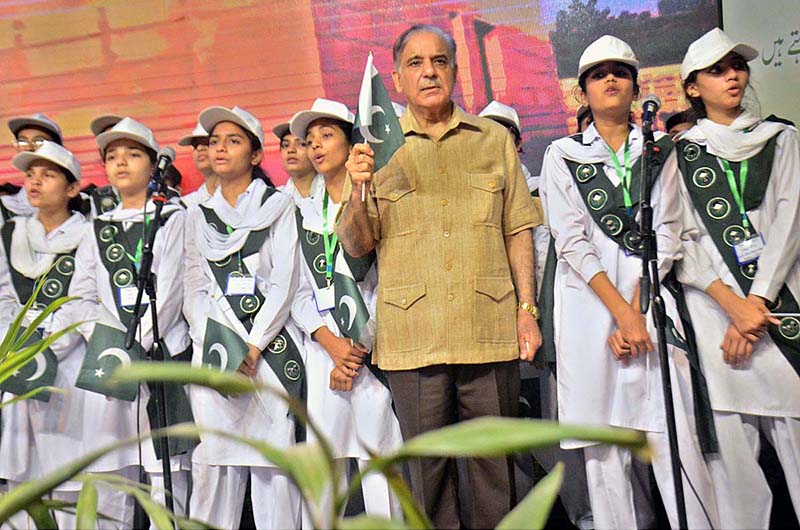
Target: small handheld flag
376, 121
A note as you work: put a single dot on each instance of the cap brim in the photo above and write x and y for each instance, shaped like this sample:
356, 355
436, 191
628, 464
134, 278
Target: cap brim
745, 50
103, 123
302, 119
211, 116
280, 130
189, 139
502, 119
17, 124
103, 139
23, 160
586, 67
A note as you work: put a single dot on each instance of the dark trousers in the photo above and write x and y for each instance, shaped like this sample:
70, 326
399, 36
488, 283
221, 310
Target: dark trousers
435, 396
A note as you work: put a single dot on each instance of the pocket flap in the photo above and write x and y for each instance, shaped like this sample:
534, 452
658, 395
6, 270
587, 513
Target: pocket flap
494, 288
490, 182
393, 194
404, 297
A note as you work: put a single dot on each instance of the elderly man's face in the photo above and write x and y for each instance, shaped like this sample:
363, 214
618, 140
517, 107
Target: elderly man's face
426, 74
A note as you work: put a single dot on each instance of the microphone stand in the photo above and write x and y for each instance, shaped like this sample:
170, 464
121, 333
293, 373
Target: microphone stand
650, 290
146, 282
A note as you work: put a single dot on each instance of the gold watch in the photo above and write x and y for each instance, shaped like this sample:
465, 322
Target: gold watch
529, 308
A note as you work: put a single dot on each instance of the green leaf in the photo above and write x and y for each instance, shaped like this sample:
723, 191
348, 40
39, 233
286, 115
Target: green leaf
532, 513
415, 515
493, 437
159, 516
30, 394
46, 312
41, 515
86, 515
365, 522
177, 372
311, 470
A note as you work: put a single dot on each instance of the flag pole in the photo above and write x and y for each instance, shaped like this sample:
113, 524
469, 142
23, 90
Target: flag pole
369, 69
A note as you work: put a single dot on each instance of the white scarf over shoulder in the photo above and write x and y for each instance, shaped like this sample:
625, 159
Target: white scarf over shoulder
249, 215
594, 150
742, 139
32, 252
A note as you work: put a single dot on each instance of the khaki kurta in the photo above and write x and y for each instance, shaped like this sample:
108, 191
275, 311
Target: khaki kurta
439, 212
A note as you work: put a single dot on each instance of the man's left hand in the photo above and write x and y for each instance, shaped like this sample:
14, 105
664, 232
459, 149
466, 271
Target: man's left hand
530, 338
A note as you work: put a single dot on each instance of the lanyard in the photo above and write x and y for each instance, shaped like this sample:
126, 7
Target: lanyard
737, 191
330, 243
137, 258
624, 176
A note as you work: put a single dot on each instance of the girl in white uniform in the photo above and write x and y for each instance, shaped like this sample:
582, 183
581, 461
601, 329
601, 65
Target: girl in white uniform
105, 270
198, 140
334, 306
739, 179
608, 371
43, 433
241, 276
303, 179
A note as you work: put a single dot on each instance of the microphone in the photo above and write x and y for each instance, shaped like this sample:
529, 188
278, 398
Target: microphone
650, 106
165, 157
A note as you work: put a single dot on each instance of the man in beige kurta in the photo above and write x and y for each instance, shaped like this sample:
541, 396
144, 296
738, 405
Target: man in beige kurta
451, 217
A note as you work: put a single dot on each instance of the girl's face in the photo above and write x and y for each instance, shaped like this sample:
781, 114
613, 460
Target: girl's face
47, 186
328, 146
128, 167
230, 151
721, 86
30, 139
294, 155
200, 156
609, 89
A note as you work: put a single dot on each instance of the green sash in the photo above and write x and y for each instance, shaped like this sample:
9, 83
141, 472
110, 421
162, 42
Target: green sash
104, 199
713, 200
41, 370
282, 354
349, 311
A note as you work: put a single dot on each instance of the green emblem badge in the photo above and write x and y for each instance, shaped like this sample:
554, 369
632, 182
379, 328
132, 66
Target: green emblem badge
612, 223
65, 265
585, 172
292, 370
249, 304
789, 328
704, 177
718, 208
278, 345
691, 152
733, 235
108, 233
597, 199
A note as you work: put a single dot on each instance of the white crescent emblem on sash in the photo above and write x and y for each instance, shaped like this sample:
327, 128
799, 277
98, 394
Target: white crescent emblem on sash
120, 354
365, 132
351, 307
220, 350
41, 366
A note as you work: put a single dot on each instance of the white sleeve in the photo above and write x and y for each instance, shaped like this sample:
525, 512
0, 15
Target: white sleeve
304, 308
783, 248
279, 267
84, 286
169, 279
667, 216
195, 282
565, 214
9, 305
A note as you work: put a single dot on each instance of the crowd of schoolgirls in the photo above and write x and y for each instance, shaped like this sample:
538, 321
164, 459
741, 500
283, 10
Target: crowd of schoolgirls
252, 278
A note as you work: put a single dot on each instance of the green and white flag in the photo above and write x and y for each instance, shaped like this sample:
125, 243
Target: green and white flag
104, 354
376, 121
38, 372
350, 311
223, 348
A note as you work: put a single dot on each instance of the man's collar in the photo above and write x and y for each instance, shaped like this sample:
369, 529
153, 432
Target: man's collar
458, 118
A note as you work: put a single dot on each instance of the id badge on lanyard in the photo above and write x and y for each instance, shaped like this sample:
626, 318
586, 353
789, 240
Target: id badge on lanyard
750, 249
240, 283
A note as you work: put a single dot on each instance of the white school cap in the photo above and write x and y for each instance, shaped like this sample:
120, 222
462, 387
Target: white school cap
710, 48
130, 129
503, 113
322, 108
57, 154
102, 123
36, 120
607, 48
198, 132
281, 129
211, 116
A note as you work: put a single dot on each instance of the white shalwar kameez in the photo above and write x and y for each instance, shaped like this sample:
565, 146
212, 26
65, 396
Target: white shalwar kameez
198, 196
37, 436
290, 189
362, 418
593, 387
107, 419
763, 395
221, 466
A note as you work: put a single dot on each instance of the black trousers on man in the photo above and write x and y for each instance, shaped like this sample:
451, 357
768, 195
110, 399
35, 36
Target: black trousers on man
436, 396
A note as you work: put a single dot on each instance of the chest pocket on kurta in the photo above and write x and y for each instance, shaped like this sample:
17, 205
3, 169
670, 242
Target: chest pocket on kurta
397, 205
486, 199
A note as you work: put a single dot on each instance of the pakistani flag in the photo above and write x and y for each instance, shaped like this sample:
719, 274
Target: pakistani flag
376, 120
223, 348
350, 311
38, 372
105, 353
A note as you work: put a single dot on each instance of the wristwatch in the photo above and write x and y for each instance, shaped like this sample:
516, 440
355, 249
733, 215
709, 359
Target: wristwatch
529, 308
